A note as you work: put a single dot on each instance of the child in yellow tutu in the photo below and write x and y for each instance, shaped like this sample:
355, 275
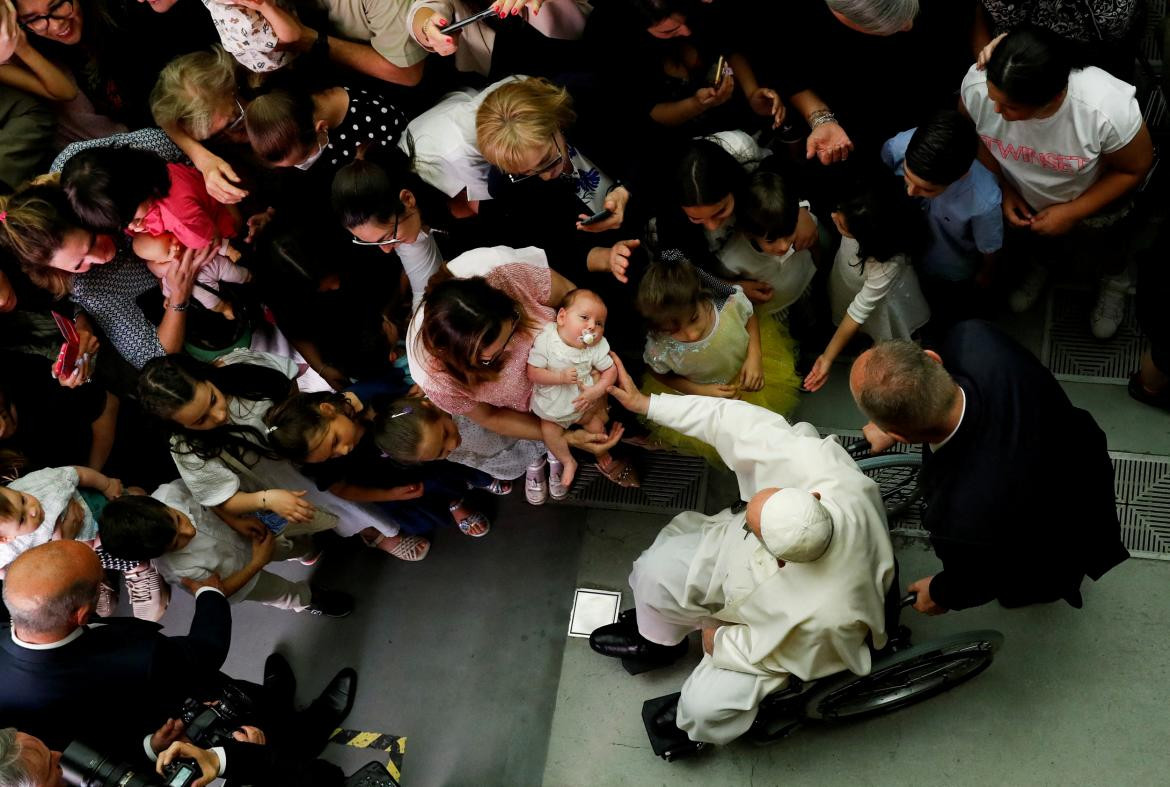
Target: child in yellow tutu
710, 344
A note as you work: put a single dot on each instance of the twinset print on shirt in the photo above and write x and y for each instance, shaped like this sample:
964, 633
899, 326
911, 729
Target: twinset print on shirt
1028, 155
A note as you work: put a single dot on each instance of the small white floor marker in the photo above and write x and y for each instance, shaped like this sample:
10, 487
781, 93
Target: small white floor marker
593, 609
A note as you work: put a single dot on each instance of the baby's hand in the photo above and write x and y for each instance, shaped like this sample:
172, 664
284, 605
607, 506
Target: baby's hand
569, 376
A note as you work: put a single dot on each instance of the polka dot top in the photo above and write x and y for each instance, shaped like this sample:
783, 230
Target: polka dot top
371, 119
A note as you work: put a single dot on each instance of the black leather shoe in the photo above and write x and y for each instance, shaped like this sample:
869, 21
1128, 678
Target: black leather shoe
335, 703
617, 640
629, 617
279, 681
330, 603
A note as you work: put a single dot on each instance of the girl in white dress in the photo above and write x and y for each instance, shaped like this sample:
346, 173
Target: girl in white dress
873, 288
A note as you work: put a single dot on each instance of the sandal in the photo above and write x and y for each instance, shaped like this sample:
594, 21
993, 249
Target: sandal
475, 524
498, 486
621, 472
409, 548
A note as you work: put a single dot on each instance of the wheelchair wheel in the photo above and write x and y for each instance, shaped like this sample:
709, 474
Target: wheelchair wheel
905, 677
897, 478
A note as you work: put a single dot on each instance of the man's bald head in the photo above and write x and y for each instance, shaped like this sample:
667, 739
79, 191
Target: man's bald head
903, 388
50, 589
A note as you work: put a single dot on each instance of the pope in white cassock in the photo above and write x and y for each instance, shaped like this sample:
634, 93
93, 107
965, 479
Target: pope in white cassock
797, 590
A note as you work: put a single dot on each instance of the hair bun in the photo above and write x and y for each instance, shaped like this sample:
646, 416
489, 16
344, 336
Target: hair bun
673, 255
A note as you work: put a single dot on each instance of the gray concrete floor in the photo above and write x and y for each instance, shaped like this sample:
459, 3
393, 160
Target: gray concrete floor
466, 655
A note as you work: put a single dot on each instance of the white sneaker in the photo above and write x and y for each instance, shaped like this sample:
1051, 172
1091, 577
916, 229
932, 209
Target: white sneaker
556, 490
1109, 312
536, 484
107, 603
149, 594
1026, 295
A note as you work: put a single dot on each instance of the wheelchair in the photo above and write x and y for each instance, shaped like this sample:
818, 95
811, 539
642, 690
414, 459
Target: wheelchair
903, 672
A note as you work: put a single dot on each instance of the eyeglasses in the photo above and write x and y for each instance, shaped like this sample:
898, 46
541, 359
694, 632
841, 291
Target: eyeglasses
390, 241
543, 168
238, 119
515, 324
60, 10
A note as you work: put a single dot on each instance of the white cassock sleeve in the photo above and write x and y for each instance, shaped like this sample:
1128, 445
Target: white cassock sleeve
747, 437
732, 650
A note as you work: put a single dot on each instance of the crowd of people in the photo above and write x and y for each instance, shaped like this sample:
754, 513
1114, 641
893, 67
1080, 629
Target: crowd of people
693, 207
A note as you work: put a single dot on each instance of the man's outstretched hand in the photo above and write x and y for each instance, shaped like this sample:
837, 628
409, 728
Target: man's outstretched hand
626, 392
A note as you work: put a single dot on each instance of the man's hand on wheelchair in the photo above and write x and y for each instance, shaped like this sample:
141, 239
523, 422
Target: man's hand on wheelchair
879, 441
925, 604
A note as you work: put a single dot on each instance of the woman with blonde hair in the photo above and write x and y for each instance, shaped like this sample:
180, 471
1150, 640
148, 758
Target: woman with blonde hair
565, 183
197, 98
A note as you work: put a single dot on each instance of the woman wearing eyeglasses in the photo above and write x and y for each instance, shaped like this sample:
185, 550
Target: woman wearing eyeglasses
113, 50
468, 346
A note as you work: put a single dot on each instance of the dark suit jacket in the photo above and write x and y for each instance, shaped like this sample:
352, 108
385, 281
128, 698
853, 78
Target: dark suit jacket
115, 683
266, 766
1020, 502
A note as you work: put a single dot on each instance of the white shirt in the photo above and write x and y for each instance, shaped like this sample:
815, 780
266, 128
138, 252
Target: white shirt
1056, 159
808, 619
935, 446
446, 152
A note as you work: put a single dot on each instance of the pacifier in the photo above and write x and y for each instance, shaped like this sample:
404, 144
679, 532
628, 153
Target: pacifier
588, 337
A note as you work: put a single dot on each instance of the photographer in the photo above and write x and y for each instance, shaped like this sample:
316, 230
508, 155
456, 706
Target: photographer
26, 761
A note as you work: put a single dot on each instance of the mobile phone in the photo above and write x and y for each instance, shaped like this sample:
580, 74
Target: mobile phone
70, 349
718, 72
600, 215
272, 520
455, 27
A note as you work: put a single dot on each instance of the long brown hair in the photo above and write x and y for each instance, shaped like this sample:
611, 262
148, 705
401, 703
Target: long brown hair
33, 223
462, 316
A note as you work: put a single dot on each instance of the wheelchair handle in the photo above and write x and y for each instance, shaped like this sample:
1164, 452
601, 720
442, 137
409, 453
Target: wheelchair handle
908, 600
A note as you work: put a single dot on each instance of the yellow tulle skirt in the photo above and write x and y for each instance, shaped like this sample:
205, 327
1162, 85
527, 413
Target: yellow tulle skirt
780, 393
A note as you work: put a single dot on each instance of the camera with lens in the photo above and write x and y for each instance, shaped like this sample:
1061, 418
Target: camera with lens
212, 723
86, 767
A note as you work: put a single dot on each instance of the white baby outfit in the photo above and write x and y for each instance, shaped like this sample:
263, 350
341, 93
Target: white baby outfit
549, 351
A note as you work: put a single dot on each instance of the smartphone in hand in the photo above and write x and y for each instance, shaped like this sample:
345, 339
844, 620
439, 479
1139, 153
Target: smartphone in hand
455, 27
718, 72
66, 361
597, 217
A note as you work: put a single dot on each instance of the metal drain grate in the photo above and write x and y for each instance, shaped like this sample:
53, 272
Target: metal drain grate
1071, 352
1142, 486
670, 483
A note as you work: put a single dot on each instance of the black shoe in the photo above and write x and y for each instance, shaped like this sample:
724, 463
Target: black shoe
279, 681
628, 617
666, 722
1139, 392
330, 603
620, 642
336, 701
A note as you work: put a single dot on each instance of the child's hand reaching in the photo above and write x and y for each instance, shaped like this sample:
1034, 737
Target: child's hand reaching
263, 548
290, 505
113, 488
757, 291
751, 375
719, 390
569, 376
819, 374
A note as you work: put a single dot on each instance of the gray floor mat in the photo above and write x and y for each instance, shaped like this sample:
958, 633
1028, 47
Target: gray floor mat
459, 653
1071, 351
1142, 485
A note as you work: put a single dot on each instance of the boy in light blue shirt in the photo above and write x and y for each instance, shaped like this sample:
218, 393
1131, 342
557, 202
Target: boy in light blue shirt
961, 199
